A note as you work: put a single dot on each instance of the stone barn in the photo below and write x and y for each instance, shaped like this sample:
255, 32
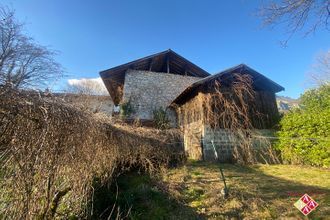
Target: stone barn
151, 83
168, 81
262, 113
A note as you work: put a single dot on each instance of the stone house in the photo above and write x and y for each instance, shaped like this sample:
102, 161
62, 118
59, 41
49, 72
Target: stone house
168, 81
151, 83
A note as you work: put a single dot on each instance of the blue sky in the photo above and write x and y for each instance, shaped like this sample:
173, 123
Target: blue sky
96, 35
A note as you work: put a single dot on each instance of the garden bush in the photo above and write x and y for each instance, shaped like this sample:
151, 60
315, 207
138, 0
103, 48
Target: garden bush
304, 135
160, 118
126, 109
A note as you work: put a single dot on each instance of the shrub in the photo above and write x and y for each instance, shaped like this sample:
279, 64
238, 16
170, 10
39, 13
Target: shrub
52, 153
160, 118
126, 109
304, 135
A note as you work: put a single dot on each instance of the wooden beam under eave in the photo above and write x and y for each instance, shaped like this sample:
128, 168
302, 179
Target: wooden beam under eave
168, 63
191, 73
185, 69
151, 64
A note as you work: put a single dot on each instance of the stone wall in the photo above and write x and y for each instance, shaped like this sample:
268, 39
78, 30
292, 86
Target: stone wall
147, 91
223, 142
198, 144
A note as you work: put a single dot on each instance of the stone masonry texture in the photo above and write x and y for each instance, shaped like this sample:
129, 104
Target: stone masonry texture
148, 91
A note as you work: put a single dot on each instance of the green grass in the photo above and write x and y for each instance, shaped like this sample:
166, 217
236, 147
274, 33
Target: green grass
193, 191
138, 197
255, 192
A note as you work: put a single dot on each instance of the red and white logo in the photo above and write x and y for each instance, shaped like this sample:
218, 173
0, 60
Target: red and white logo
305, 198
306, 204
312, 204
306, 210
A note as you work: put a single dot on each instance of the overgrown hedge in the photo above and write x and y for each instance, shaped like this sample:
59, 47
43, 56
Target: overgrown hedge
51, 154
304, 135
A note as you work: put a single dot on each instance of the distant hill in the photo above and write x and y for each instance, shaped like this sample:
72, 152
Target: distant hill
285, 103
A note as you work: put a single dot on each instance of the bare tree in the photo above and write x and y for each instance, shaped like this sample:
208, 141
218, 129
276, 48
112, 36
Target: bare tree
23, 62
297, 15
320, 72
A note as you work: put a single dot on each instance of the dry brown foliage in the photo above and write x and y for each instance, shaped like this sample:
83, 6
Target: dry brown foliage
50, 153
229, 103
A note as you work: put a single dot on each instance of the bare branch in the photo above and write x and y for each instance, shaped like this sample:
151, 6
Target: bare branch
320, 72
23, 62
297, 15
87, 86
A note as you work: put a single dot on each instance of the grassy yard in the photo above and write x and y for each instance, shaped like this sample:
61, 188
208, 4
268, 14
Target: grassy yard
255, 192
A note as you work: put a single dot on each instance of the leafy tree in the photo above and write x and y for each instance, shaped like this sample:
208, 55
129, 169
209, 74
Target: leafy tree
304, 136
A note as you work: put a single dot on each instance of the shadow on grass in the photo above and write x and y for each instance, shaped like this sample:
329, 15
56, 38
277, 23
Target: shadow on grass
253, 194
274, 194
136, 196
